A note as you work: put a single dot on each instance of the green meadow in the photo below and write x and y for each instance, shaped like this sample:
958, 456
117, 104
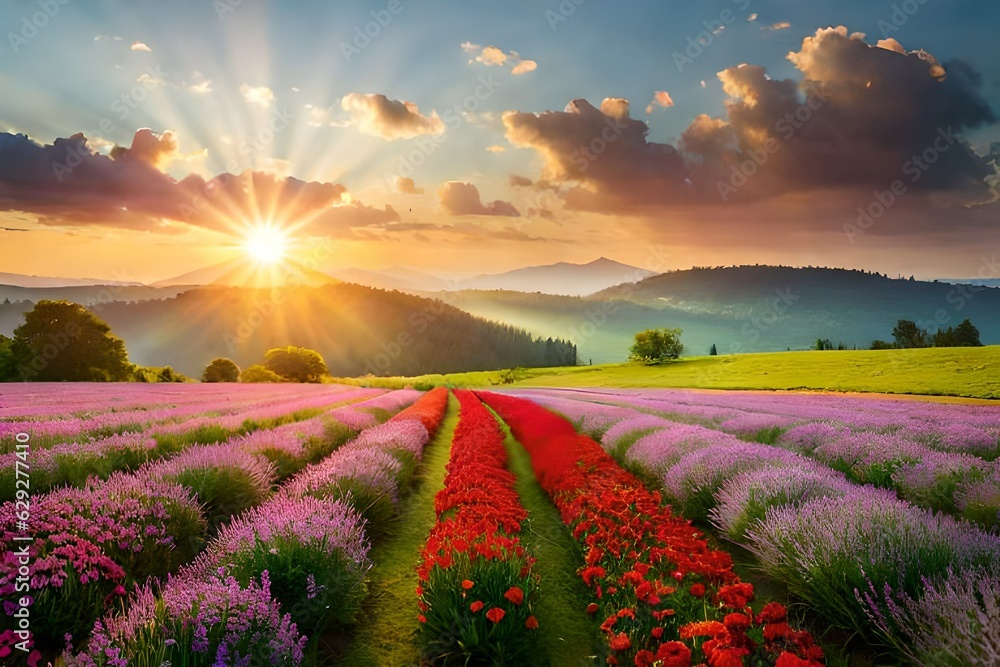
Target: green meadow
947, 372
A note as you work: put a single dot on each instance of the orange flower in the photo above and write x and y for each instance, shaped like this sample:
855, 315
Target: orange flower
496, 614
466, 584
476, 606
515, 595
531, 623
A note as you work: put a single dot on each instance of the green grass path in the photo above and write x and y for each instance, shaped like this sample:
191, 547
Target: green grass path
386, 628
566, 636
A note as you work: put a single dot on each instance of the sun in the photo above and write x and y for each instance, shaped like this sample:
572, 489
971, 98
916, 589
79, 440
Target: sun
266, 244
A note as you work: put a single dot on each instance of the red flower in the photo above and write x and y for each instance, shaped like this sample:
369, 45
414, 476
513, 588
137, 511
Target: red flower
644, 658
531, 623
515, 595
421, 618
736, 596
786, 659
496, 614
697, 590
736, 622
476, 606
780, 630
466, 584
674, 654
657, 632
772, 612
589, 573
592, 608
620, 642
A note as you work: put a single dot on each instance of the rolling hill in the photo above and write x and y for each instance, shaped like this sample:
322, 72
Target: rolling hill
562, 278
358, 330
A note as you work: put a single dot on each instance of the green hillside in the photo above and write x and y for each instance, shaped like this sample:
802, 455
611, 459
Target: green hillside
966, 372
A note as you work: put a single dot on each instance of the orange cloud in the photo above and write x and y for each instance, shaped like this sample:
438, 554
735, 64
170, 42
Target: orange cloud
378, 116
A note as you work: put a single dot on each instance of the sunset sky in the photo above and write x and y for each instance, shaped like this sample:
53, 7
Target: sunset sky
483, 136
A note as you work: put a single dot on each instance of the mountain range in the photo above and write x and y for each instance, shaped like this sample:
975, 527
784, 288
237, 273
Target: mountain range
737, 309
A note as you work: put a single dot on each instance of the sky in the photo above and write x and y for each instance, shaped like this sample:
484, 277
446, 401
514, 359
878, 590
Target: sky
143, 140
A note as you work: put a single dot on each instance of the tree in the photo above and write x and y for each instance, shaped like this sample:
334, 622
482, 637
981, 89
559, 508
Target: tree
908, 334
63, 341
655, 345
7, 365
298, 364
258, 373
967, 335
713, 352
221, 370
883, 345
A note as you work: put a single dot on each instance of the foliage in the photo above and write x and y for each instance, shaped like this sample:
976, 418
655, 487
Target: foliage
258, 373
62, 341
297, 364
509, 377
964, 335
157, 374
221, 370
907, 334
655, 345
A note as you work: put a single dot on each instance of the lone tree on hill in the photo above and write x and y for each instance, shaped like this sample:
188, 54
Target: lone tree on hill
714, 352
653, 346
62, 341
298, 364
221, 370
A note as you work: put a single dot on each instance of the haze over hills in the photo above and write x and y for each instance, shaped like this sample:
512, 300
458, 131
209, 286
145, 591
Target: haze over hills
241, 273
357, 329
562, 278
738, 309
18, 280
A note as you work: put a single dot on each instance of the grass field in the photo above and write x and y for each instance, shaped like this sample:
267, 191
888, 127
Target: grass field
957, 372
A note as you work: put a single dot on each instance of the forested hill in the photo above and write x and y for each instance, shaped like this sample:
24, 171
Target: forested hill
357, 329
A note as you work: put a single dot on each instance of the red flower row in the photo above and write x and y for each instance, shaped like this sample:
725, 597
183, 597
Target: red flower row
656, 582
429, 409
473, 559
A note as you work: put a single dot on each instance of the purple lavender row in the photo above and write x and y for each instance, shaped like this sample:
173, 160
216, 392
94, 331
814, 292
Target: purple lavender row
88, 399
308, 546
225, 413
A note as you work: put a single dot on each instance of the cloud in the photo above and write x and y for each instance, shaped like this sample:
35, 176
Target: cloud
516, 181
151, 81
495, 56
378, 116
496, 148
780, 25
260, 96
201, 88
155, 150
524, 67
752, 17
140, 46
867, 111
406, 186
661, 99
459, 198
70, 184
